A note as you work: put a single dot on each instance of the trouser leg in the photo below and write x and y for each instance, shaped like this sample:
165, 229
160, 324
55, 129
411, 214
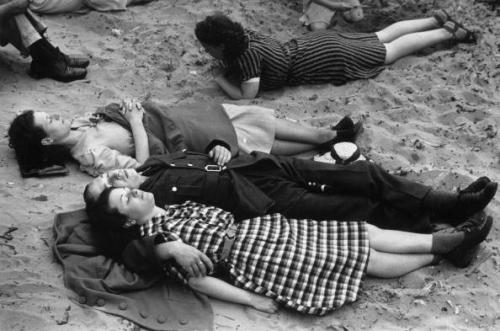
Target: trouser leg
361, 178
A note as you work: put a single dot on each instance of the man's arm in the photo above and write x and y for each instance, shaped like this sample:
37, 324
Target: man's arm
224, 291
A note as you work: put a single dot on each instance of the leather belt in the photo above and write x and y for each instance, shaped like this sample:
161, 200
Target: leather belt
228, 241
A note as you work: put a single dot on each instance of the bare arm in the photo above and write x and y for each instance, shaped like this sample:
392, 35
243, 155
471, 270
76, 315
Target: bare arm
192, 260
248, 89
134, 113
333, 5
221, 290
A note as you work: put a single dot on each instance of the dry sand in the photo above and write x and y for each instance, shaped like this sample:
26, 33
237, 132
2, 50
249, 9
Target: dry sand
436, 113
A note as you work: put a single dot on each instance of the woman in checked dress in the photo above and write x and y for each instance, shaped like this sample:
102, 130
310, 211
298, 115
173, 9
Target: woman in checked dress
307, 265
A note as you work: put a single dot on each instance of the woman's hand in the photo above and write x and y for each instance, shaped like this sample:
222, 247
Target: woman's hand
192, 260
132, 110
263, 303
220, 154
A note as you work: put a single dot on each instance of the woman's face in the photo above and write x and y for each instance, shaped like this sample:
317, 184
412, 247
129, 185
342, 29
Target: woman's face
54, 125
216, 51
132, 203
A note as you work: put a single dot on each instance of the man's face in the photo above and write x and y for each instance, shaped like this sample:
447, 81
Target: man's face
115, 178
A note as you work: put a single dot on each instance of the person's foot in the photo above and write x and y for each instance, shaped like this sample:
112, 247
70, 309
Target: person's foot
346, 131
441, 16
475, 229
459, 32
472, 202
345, 123
57, 70
476, 186
73, 61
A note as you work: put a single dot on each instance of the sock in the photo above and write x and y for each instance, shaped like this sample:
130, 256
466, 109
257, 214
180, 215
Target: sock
443, 243
43, 51
440, 202
436, 259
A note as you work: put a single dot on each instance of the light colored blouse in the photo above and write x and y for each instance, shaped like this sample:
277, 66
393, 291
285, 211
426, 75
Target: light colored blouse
103, 146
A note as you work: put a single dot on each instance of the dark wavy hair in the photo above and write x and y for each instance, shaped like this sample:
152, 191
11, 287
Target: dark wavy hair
219, 30
110, 221
26, 140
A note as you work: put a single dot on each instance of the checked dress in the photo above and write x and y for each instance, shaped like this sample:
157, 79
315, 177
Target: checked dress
310, 266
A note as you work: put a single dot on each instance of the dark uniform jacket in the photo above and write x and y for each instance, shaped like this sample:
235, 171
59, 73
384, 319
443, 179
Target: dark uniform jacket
183, 176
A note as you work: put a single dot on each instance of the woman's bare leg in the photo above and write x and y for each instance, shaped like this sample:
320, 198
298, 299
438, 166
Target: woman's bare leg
283, 147
290, 131
391, 241
389, 265
402, 28
413, 42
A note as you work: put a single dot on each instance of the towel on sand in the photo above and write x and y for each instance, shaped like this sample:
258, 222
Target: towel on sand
107, 285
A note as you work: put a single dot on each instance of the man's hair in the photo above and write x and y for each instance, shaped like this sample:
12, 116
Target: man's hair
26, 140
218, 29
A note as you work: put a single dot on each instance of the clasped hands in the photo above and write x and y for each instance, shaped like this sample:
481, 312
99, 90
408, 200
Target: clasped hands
132, 110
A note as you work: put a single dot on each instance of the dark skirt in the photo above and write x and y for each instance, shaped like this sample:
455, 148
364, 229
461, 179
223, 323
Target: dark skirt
330, 57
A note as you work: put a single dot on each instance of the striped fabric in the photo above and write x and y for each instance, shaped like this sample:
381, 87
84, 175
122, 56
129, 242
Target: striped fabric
310, 266
315, 58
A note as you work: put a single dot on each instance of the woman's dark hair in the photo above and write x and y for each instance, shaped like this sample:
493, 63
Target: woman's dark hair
109, 220
26, 140
218, 30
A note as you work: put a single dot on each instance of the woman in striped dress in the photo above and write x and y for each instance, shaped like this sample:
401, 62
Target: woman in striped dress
256, 62
310, 266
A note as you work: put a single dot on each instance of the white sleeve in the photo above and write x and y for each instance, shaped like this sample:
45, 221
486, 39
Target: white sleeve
100, 159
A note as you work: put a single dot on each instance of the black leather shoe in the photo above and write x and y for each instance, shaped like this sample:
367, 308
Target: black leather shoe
346, 129
77, 62
58, 70
476, 186
472, 202
475, 229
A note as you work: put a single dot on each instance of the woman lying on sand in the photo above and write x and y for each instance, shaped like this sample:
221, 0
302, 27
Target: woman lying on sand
307, 265
256, 62
124, 137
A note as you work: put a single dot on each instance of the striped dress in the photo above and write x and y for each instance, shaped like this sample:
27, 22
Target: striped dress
310, 266
314, 58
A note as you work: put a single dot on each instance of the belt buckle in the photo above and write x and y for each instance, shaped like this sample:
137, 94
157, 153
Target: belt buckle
213, 168
231, 231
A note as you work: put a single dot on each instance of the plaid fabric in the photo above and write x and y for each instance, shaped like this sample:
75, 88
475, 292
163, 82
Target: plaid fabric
200, 226
310, 266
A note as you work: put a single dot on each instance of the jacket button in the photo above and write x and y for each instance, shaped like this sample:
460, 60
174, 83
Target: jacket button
189, 164
101, 302
174, 189
161, 319
143, 314
172, 164
82, 300
122, 306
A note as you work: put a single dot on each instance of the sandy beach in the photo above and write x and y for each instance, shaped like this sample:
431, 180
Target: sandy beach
433, 116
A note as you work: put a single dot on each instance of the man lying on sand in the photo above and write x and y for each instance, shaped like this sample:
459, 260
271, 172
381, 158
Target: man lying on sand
19, 27
260, 184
